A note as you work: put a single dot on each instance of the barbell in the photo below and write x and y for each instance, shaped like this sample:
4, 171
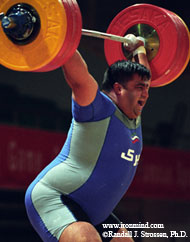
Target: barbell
41, 35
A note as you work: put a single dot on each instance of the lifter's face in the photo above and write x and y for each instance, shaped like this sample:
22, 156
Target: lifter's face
132, 96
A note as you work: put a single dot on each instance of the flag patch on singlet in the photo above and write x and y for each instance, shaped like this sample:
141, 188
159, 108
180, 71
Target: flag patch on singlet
135, 138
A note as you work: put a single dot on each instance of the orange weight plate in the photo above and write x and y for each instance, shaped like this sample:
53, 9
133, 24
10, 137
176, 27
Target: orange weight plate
168, 30
73, 36
64, 48
47, 44
77, 30
76, 34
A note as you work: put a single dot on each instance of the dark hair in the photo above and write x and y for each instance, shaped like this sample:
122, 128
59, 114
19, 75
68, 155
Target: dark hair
123, 71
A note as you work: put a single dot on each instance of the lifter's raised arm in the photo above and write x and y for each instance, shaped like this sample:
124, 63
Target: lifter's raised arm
83, 85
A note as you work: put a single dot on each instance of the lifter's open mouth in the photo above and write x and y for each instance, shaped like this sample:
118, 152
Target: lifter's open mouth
141, 103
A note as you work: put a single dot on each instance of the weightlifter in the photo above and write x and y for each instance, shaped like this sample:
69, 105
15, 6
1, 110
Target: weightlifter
77, 192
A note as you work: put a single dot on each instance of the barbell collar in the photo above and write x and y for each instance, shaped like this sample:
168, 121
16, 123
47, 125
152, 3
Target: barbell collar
2, 15
20, 23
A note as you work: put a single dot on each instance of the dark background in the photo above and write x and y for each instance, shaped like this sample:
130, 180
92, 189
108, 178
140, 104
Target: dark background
166, 119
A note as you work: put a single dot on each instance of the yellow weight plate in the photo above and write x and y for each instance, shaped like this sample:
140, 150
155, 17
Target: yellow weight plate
47, 44
73, 36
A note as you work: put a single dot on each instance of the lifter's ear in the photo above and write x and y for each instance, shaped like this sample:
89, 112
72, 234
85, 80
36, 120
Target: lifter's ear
117, 88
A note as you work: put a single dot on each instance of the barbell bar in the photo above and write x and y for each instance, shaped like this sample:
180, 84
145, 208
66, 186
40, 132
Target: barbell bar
101, 35
54, 30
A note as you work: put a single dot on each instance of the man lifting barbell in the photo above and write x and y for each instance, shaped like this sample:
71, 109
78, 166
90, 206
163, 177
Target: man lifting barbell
78, 191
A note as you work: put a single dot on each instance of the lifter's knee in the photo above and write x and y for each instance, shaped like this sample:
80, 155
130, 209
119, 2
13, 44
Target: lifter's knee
80, 232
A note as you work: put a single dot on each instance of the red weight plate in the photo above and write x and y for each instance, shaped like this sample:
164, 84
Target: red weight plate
182, 54
165, 26
72, 38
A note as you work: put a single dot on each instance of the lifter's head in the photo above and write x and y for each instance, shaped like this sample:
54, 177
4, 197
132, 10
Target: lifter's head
127, 84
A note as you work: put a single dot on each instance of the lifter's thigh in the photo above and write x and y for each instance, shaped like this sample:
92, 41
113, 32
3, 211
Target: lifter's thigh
80, 232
